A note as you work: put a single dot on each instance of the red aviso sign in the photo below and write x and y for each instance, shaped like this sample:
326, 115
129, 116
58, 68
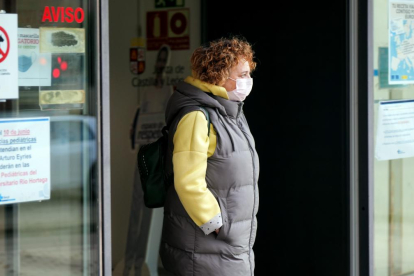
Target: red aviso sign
63, 14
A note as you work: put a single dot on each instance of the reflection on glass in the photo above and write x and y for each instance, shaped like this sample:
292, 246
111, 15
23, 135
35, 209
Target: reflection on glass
393, 230
57, 236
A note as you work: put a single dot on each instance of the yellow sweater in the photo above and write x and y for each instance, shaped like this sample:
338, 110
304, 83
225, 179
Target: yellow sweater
192, 147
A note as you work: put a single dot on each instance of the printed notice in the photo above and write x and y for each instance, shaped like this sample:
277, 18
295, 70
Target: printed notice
383, 70
34, 68
395, 130
24, 160
401, 42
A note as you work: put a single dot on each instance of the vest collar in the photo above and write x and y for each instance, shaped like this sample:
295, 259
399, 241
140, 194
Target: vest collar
230, 108
233, 109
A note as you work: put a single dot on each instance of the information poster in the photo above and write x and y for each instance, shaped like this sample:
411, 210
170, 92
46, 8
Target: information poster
383, 71
9, 88
401, 42
34, 68
24, 160
395, 130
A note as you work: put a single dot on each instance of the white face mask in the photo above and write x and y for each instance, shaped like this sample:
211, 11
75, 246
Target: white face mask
243, 88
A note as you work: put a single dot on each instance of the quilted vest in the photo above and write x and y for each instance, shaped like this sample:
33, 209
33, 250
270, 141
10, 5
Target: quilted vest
232, 177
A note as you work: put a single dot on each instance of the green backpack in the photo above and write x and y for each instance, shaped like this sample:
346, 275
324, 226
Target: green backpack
151, 165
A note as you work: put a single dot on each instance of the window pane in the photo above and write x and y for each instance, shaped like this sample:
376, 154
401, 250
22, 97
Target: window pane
393, 138
56, 234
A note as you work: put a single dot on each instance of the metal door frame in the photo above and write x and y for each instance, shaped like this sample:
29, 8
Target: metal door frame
361, 140
104, 138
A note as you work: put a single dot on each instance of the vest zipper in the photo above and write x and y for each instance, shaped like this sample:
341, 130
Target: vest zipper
238, 121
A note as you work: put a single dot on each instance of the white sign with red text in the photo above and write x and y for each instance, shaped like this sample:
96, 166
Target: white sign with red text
8, 57
24, 160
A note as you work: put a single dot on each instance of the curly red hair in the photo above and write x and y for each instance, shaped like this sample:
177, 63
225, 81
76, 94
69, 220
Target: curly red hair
212, 63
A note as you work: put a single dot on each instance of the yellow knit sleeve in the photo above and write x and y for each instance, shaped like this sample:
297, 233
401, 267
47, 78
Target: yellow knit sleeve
191, 149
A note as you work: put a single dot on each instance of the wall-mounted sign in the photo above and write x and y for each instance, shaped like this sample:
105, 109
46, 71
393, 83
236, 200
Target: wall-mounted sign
24, 160
63, 14
8, 57
171, 27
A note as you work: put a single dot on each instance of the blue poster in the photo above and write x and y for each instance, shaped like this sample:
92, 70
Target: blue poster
383, 70
401, 42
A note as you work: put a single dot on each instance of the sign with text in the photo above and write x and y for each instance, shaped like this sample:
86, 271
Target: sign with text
24, 160
400, 42
63, 14
34, 68
383, 70
395, 130
8, 57
149, 128
170, 27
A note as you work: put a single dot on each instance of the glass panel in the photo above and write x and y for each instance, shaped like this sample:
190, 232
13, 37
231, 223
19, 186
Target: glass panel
393, 113
54, 230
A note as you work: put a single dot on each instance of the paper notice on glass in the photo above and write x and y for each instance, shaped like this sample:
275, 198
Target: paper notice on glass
401, 43
62, 40
34, 68
395, 130
24, 160
61, 99
9, 88
383, 70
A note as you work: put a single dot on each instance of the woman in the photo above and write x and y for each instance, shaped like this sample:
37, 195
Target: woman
210, 211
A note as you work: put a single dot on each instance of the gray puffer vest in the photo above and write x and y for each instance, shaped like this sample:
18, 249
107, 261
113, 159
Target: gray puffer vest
232, 176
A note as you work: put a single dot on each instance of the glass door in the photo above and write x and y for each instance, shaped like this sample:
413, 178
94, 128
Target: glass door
49, 215
393, 137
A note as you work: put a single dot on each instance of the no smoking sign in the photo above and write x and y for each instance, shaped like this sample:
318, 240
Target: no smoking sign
9, 87
4, 44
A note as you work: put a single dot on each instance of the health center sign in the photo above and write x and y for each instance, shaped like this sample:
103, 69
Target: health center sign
24, 160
